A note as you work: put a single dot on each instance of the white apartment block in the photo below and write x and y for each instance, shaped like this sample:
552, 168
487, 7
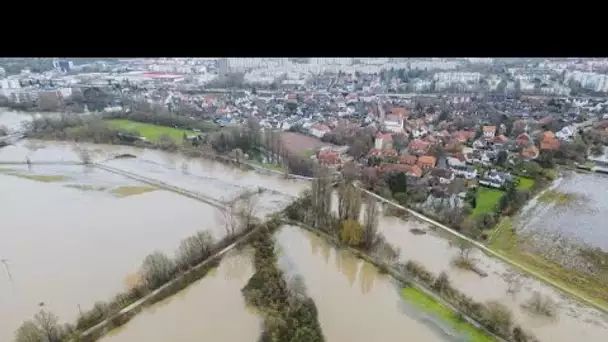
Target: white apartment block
457, 77
589, 80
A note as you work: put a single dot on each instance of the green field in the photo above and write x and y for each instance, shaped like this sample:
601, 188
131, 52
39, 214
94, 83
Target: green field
525, 183
150, 131
487, 200
430, 305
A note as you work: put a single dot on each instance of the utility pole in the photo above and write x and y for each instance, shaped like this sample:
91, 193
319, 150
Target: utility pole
7, 269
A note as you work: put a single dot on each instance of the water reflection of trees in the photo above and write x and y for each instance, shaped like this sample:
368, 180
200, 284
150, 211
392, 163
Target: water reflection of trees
367, 277
348, 265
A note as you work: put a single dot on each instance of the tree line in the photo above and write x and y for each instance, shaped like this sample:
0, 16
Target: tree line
289, 314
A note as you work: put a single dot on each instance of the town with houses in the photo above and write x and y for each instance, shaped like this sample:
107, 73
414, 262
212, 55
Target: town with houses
428, 159
437, 120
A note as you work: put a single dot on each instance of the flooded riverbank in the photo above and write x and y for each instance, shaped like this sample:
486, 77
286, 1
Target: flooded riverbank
212, 309
355, 302
573, 321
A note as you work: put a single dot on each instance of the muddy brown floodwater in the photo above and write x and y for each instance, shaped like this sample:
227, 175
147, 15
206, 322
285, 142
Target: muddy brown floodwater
212, 309
355, 302
69, 244
573, 322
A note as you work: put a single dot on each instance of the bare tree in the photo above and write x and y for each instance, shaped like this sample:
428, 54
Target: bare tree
349, 202
321, 197
370, 222
238, 214
247, 207
156, 269
85, 156
48, 325
514, 284
28, 332
194, 249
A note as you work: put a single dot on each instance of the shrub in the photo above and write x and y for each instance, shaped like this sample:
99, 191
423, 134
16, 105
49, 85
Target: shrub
541, 305
498, 318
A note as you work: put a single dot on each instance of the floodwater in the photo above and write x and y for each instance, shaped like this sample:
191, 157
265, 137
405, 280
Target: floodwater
583, 222
68, 247
355, 302
211, 309
573, 322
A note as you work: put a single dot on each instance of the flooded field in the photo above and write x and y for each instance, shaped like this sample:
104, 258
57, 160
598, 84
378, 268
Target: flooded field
355, 302
71, 235
573, 321
211, 309
582, 219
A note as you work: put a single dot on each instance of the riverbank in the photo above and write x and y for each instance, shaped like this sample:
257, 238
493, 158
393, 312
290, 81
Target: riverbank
406, 276
537, 272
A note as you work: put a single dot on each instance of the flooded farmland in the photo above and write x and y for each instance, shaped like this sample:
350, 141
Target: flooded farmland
211, 309
72, 234
355, 302
573, 321
581, 220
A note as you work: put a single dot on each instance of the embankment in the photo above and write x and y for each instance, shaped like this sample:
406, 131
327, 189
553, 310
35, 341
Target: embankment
570, 292
404, 278
175, 285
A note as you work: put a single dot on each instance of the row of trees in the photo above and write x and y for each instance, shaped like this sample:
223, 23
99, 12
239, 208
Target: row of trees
356, 221
290, 315
156, 270
494, 316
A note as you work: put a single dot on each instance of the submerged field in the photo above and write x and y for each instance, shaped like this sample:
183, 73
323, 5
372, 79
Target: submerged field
561, 234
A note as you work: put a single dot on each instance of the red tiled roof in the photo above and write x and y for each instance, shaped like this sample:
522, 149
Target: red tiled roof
409, 159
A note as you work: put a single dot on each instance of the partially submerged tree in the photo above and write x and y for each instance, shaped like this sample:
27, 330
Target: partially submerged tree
349, 202
194, 249
351, 233
321, 198
228, 218
28, 332
157, 269
370, 223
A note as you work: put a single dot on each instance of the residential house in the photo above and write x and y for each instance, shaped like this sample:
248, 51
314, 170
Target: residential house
463, 136
456, 159
329, 158
418, 146
409, 170
523, 139
408, 159
393, 123
383, 141
319, 130
548, 141
445, 176
489, 132
566, 133
529, 152
477, 157
464, 171
427, 162
495, 179
500, 140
